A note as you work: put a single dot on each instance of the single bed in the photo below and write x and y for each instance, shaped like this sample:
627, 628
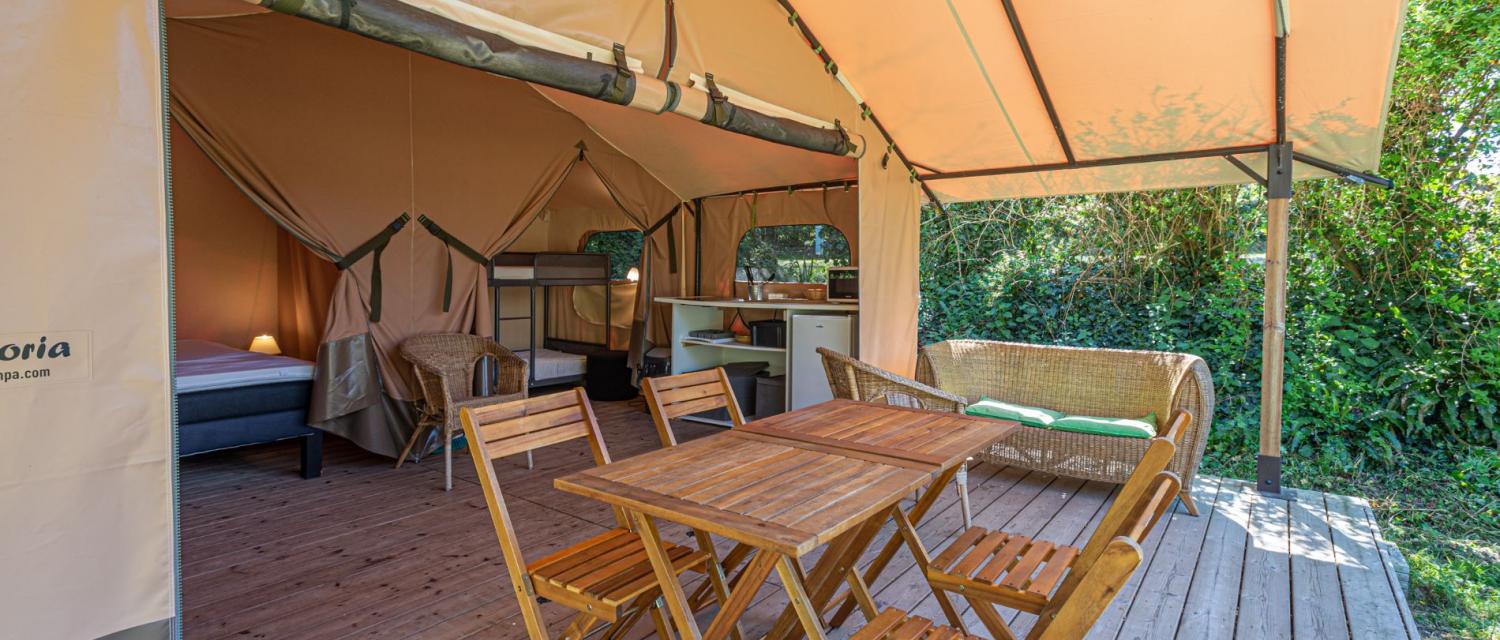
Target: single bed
229, 398
551, 365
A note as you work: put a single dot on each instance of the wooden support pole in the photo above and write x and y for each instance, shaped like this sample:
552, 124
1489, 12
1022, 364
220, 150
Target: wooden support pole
1273, 349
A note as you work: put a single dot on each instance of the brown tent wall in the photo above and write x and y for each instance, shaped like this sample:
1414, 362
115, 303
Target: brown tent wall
335, 136
238, 275
86, 484
727, 219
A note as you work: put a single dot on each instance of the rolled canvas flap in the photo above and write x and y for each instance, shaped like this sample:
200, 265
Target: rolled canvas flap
346, 379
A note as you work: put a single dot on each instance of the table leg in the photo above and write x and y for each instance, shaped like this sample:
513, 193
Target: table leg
807, 612
841, 556
888, 553
716, 575
671, 586
749, 582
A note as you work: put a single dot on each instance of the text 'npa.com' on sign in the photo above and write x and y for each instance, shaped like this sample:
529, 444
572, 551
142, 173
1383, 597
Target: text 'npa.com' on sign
47, 357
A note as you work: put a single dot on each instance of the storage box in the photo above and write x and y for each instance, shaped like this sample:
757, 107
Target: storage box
770, 395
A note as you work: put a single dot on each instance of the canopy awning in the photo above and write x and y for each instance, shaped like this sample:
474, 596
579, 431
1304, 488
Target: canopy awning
1014, 98
986, 99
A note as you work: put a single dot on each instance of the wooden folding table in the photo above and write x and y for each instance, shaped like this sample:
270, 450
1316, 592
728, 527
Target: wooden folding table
829, 474
941, 439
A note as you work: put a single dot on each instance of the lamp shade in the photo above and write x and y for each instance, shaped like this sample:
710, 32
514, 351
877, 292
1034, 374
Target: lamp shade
634, 275
265, 344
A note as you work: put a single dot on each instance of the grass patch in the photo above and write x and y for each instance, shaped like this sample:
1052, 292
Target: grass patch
1442, 511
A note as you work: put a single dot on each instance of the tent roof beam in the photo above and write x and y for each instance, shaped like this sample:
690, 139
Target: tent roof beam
1036, 77
866, 112
1357, 177
1238, 164
788, 188
1100, 162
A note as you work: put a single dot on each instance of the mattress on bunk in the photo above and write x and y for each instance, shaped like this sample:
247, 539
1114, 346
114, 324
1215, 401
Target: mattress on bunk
555, 364
204, 366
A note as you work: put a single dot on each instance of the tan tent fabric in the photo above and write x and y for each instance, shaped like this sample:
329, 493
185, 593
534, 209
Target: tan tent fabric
697, 160
1126, 79
889, 204
725, 221
225, 251
304, 289
86, 538
385, 132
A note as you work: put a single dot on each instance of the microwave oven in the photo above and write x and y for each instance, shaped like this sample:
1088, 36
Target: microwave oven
843, 283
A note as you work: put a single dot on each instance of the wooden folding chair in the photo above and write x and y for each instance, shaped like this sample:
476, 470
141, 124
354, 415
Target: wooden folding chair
1067, 588
670, 397
607, 578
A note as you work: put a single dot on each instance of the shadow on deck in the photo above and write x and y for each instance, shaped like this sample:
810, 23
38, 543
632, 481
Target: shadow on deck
368, 551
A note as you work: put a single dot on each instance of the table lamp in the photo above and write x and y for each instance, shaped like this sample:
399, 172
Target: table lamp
265, 344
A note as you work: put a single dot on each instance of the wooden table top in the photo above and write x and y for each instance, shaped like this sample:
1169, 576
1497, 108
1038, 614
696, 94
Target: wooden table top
939, 438
784, 495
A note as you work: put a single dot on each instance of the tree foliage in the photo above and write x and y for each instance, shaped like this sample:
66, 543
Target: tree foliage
791, 253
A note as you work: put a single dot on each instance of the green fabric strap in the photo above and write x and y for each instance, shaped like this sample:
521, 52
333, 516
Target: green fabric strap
374, 245
671, 249
452, 243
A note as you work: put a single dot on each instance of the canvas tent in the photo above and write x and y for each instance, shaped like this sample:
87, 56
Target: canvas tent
954, 101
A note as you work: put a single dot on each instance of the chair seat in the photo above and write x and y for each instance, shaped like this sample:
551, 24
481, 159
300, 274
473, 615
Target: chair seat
897, 624
1012, 570
606, 573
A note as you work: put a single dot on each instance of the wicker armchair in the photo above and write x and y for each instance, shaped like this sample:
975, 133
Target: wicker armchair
851, 379
1096, 382
444, 364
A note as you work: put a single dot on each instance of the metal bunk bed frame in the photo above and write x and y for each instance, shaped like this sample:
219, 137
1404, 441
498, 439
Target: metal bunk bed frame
549, 269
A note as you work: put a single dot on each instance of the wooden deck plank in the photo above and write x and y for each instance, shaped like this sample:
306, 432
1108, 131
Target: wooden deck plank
1265, 586
1368, 593
1170, 572
1317, 599
1213, 597
369, 551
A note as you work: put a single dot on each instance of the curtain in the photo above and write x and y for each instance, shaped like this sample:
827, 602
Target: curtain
304, 288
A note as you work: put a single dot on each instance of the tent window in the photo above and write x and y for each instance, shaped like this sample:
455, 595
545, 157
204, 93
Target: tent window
622, 247
791, 253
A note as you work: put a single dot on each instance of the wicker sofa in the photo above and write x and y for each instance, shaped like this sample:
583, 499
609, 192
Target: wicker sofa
1096, 382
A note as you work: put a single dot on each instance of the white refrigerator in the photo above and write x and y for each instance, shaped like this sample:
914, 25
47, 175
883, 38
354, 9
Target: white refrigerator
807, 382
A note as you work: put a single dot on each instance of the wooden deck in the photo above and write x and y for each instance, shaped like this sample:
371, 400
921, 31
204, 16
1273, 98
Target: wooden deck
368, 551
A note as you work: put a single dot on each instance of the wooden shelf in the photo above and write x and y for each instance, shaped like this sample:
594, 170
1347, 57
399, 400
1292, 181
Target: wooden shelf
732, 345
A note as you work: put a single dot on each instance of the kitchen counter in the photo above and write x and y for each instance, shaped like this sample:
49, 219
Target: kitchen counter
791, 304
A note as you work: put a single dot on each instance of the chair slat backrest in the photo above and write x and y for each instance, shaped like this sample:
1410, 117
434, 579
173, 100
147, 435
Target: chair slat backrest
1113, 552
1177, 426
1078, 605
671, 397
1131, 495
507, 428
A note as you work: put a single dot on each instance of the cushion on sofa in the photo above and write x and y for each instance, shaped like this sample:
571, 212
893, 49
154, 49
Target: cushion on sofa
1049, 419
1119, 427
1031, 416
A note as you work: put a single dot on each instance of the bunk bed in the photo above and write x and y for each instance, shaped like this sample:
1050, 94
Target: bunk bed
557, 361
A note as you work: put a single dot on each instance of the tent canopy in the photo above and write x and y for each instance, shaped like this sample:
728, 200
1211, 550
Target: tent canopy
992, 100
